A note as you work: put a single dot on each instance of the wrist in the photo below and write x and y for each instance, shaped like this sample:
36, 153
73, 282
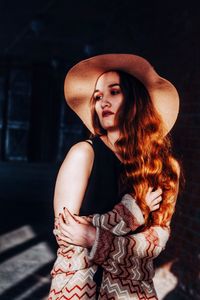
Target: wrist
91, 235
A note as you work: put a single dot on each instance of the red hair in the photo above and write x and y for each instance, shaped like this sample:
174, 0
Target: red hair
145, 151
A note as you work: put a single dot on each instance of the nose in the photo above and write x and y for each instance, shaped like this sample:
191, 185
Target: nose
105, 102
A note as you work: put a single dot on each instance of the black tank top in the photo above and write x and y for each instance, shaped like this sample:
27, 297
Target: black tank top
102, 191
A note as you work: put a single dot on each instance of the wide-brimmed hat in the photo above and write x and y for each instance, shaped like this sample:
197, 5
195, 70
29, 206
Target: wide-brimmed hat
81, 79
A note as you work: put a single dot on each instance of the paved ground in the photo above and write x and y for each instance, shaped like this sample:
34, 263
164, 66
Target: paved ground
27, 254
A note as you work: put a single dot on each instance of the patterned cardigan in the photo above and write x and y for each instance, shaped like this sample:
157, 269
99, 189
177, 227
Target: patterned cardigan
126, 257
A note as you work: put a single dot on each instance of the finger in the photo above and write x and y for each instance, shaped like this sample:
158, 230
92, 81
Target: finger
68, 215
68, 229
56, 231
64, 226
65, 229
56, 221
150, 189
64, 238
66, 233
81, 220
157, 206
157, 193
157, 200
62, 243
67, 240
63, 219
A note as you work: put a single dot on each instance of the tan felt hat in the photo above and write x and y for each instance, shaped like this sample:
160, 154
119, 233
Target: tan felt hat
81, 79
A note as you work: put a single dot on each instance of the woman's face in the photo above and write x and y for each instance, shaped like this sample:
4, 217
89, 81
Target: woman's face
108, 99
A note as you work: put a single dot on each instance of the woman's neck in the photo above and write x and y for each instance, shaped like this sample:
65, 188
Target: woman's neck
110, 138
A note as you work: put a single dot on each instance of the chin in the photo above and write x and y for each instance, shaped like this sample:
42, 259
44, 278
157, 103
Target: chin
109, 127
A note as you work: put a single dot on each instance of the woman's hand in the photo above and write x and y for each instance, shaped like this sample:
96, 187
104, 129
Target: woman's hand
153, 199
76, 230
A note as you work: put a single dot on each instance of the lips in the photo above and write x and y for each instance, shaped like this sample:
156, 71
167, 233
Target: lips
106, 113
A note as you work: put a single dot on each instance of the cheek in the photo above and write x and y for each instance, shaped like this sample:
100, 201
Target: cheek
119, 103
97, 108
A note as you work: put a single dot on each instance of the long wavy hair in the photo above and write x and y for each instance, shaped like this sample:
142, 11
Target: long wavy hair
146, 153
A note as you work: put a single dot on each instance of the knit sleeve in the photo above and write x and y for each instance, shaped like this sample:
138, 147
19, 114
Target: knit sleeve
126, 216
110, 249
115, 250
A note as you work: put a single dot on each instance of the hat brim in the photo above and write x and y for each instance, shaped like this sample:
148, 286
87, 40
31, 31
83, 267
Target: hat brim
81, 79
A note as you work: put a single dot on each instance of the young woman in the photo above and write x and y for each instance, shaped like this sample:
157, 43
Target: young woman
130, 117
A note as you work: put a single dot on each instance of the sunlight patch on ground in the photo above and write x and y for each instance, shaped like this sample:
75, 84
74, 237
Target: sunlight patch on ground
16, 269
16, 237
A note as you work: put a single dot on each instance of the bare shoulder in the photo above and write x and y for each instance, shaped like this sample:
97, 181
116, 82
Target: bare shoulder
79, 155
81, 148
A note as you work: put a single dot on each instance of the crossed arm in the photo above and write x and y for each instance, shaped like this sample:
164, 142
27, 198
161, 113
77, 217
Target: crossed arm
113, 244
108, 232
111, 239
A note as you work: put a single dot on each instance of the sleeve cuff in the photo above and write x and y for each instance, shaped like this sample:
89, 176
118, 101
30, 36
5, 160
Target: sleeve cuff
134, 211
163, 235
101, 246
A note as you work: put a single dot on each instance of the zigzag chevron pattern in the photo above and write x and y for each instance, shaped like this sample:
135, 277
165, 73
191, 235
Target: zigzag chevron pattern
116, 288
124, 217
127, 260
74, 285
133, 255
121, 263
76, 262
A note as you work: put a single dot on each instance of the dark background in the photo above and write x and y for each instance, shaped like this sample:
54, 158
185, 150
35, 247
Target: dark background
39, 42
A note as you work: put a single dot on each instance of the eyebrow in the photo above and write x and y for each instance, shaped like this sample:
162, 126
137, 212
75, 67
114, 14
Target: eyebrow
110, 85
